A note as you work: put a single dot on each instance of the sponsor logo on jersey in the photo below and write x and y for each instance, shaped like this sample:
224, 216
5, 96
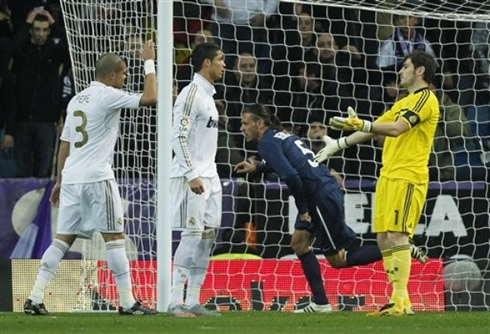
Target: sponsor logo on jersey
212, 123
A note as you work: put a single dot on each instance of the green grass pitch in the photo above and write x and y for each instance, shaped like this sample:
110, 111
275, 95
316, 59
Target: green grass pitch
249, 323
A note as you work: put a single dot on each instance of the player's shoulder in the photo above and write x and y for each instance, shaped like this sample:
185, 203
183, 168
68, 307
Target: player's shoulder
428, 99
188, 93
421, 99
192, 87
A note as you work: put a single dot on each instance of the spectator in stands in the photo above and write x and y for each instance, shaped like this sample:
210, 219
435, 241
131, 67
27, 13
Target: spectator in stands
309, 99
405, 40
241, 25
7, 123
316, 131
132, 54
243, 86
290, 54
38, 61
183, 57
343, 70
480, 40
5, 85
6, 26
451, 158
190, 16
229, 153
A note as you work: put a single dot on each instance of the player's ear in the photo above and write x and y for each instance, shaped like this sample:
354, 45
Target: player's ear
206, 62
420, 70
260, 123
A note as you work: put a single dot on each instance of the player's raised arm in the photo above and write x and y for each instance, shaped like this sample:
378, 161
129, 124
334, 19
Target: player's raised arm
150, 93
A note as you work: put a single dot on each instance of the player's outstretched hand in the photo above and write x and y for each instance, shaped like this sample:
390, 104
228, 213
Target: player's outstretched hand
245, 167
148, 51
55, 195
331, 147
351, 123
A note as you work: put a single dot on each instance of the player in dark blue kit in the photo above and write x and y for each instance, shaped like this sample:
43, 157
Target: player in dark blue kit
319, 200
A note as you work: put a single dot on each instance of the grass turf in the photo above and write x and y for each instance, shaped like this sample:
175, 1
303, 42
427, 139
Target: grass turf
248, 323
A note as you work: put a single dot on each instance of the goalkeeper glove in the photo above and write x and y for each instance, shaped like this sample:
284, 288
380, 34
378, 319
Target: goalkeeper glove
331, 147
351, 123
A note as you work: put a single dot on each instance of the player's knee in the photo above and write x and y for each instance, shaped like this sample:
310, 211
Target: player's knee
300, 247
300, 242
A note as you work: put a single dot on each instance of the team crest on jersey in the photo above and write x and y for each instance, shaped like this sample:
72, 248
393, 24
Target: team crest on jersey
185, 122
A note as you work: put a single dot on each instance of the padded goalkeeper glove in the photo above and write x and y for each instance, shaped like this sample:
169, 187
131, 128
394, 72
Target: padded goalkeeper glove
351, 123
331, 147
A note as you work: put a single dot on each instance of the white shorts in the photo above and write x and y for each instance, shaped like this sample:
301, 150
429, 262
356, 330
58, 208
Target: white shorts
89, 207
192, 211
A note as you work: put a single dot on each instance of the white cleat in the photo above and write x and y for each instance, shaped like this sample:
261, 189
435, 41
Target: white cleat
418, 253
201, 311
314, 308
180, 311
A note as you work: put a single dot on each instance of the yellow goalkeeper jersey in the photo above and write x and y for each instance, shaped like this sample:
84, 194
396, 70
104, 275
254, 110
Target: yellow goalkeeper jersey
407, 156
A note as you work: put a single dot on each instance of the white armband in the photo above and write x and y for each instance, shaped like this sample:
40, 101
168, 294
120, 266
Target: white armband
342, 143
149, 66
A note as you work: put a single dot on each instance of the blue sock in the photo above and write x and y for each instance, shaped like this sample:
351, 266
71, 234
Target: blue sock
311, 269
363, 255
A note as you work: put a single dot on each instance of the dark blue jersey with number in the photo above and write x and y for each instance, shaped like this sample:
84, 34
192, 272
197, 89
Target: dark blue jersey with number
315, 191
288, 156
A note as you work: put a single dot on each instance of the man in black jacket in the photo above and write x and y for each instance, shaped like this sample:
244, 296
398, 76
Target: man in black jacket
38, 62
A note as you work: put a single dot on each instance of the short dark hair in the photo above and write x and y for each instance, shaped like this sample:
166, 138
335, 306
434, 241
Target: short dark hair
207, 50
422, 58
108, 63
41, 18
259, 112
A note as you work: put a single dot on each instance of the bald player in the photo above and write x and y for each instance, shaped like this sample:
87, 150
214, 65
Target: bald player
86, 191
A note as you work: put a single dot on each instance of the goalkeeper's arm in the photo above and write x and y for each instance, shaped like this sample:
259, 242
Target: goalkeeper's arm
332, 146
354, 123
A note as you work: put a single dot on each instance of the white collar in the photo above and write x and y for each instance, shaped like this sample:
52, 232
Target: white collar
204, 84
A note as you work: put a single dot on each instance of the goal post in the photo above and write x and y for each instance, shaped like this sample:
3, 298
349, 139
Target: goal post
164, 199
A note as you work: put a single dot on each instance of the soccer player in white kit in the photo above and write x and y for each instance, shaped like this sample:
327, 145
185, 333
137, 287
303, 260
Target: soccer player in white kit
194, 181
85, 190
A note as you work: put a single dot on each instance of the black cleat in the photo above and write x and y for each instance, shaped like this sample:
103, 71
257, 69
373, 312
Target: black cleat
34, 309
136, 309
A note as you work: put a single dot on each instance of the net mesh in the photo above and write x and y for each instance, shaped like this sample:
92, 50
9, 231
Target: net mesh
306, 61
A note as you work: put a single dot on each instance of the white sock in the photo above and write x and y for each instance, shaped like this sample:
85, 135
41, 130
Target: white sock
183, 259
199, 267
49, 264
118, 262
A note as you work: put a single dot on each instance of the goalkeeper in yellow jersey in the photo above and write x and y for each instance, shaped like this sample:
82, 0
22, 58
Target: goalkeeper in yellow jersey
409, 127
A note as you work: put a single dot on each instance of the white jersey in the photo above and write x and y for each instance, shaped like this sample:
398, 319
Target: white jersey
195, 131
92, 128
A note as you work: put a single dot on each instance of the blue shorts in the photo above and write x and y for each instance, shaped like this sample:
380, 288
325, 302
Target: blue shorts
328, 221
